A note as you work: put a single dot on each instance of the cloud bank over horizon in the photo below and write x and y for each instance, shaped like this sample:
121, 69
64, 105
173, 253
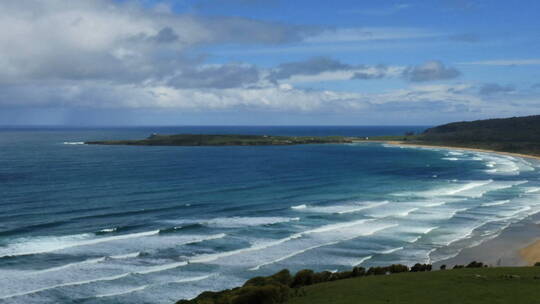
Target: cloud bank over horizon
196, 60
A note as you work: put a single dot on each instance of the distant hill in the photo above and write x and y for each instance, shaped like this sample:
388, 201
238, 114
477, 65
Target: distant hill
506, 129
516, 134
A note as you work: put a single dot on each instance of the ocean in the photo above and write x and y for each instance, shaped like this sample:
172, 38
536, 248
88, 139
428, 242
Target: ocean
126, 224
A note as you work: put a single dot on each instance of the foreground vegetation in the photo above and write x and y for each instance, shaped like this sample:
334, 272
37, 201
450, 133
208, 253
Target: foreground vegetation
225, 140
459, 286
473, 283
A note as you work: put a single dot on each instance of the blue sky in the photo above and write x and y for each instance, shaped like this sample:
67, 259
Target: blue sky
265, 62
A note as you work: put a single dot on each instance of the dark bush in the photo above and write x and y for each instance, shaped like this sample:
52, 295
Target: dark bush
458, 266
475, 264
537, 264
269, 294
303, 278
397, 268
324, 276
257, 281
283, 277
358, 271
421, 267
443, 267
377, 271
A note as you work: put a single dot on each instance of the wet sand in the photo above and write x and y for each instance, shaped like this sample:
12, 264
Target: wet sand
505, 249
404, 143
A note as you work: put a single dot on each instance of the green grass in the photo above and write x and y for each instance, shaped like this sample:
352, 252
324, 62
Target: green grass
460, 286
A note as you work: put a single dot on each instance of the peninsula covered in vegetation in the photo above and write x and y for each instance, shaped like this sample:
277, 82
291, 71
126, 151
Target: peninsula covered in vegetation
226, 140
513, 135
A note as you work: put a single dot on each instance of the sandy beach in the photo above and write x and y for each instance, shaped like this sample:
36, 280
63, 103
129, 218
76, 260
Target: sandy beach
404, 143
517, 245
531, 253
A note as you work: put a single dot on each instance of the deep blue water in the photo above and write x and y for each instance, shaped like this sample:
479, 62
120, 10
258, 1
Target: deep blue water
110, 224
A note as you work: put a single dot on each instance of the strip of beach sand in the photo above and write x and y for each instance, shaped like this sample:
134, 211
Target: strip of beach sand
517, 245
404, 143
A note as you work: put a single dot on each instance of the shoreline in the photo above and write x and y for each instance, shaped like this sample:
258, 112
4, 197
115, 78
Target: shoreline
419, 145
516, 245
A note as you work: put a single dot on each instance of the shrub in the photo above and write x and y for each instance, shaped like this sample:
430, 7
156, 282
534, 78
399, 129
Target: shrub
458, 266
397, 268
443, 267
358, 271
283, 277
537, 264
269, 294
421, 267
475, 264
324, 276
303, 278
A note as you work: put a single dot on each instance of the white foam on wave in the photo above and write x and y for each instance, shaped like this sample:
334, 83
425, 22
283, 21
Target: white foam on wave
38, 245
504, 165
89, 261
293, 254
73, 143
392, 250
299, 207
471, 189
495, 203
143, 287
370, 231
451, 158
238, 221
435, 204
467, 187
124, 256
362, 260
494, 186
265, 245
533, 190
103, 279
109, 230
421, 233
345, 208
453, 189
145, 271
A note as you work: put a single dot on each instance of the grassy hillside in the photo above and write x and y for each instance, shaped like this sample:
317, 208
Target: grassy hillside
474, 283
459, 286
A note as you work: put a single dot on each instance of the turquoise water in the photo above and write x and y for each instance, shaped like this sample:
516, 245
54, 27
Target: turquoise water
115, 224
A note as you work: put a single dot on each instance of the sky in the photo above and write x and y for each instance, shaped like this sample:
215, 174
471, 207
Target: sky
267, 62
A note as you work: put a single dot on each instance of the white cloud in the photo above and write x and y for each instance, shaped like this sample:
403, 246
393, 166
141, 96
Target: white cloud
504, 62
101, 39
370, 34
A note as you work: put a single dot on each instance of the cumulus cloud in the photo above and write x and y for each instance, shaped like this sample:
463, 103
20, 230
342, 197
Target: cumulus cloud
319, 69
504, 62
376, 72
429, 71
106, 40
311, 66
495, 88
216, 76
